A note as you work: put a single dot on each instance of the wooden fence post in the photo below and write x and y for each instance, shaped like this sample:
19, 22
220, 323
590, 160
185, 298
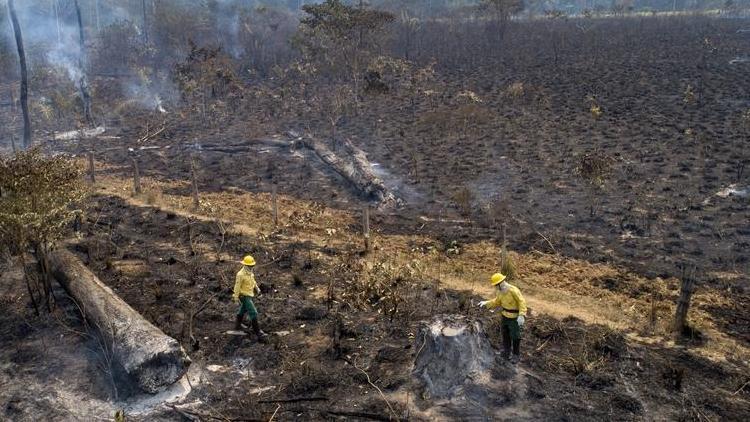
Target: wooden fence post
274, 205
136, 177
194, 177
92, 175
683, 302
504, 249
366, 227
652, 314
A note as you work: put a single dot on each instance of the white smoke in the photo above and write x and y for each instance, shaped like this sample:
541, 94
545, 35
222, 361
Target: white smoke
51, 35
146, 96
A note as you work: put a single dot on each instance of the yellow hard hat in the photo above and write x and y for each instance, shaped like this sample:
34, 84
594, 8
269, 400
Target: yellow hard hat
497, 278
249, 261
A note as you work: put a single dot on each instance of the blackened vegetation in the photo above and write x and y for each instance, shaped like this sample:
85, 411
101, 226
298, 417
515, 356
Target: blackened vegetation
207, 80
374, 83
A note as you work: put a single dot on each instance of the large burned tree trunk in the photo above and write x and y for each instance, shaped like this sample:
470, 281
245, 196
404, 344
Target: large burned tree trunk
24, 97
353, 165
150, 357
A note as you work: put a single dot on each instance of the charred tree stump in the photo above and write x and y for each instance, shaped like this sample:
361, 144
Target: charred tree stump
452, 351
150, 357
457, 367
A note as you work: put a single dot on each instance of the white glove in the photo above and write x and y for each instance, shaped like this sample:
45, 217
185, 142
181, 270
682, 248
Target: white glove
483, 303
521, 320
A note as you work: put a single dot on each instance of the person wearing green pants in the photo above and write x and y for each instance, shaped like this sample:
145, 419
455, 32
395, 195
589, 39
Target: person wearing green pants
245, 288
513, 310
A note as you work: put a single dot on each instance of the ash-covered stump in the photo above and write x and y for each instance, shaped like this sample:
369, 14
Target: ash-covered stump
457, 367
452, 351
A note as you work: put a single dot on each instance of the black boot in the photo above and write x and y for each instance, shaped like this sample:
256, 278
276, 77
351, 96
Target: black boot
238, 322
258, 332
516, 351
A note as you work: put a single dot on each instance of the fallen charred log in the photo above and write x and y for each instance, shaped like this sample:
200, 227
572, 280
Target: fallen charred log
79, 134
238, 147
354, 166
150, 357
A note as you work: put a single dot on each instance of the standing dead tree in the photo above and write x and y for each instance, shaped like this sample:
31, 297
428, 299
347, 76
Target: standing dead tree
145, 22
91, 170
502, 11
275, 205
83, 83
708, 49
24, 97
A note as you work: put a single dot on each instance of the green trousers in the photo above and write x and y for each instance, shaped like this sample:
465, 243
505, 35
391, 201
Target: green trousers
511, 333
247, 307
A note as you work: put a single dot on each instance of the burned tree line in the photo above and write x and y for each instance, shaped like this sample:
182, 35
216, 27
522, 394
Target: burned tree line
338, 50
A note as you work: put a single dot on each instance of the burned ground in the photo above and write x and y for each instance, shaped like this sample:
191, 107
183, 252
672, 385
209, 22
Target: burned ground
491, 141
167, 266
499, 138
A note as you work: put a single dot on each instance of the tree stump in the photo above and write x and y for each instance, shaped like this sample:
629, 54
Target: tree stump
452, 352
458, 371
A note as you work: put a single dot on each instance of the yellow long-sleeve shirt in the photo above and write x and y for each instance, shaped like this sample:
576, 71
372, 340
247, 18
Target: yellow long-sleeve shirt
511, 299
244, 284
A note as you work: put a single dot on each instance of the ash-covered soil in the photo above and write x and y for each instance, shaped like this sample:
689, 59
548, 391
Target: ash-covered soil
322, 349
498, 140
671, 120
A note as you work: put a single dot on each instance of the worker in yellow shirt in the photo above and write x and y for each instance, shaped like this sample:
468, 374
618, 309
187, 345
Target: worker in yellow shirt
245, 288
512, 305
